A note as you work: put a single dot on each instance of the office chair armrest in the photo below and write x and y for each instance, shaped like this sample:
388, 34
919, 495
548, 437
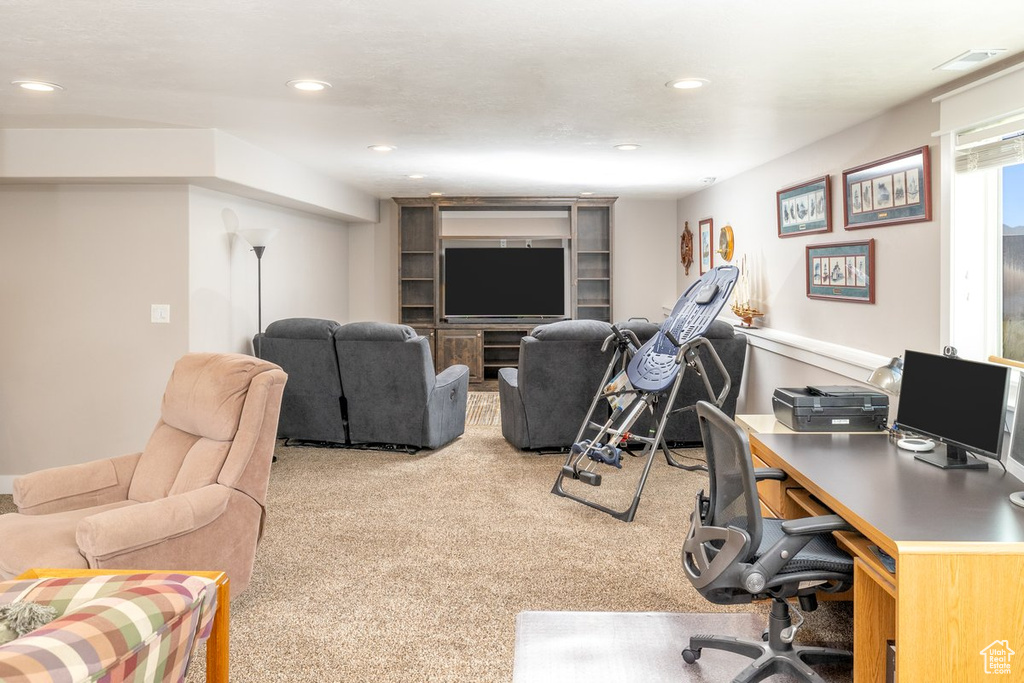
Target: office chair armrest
815, 525
762, 473
798, 533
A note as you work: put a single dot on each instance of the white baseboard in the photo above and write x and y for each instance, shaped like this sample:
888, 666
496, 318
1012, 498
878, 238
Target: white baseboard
7, 483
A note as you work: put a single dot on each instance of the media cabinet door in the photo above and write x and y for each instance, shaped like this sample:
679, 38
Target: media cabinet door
464, 347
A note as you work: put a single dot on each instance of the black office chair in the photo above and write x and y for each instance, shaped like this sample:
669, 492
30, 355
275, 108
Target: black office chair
733, 555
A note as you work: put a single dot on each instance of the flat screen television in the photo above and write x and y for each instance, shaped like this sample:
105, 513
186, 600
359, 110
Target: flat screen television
958, 402
499, 283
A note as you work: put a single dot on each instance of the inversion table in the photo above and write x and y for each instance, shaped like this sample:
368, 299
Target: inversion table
645, 376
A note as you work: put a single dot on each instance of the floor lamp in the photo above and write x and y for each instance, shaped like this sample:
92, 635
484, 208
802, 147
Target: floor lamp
258, 238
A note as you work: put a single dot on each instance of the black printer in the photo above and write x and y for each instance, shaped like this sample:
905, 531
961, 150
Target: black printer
831, 409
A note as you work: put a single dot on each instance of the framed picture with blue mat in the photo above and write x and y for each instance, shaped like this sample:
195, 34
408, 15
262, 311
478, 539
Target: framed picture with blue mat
843, 271
889, 191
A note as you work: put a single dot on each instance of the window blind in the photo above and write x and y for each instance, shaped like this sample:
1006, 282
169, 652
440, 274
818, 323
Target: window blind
990, 146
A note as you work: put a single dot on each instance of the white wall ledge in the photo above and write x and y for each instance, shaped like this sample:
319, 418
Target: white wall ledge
842, 360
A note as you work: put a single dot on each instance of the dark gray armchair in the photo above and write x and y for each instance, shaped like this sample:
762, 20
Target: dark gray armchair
392, 393
682, 428
544, 401
313, 406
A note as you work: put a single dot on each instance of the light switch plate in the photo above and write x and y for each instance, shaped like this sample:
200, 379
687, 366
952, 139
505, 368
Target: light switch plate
160, 313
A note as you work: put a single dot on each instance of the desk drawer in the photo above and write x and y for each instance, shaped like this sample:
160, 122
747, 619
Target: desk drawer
773, 495
803, 504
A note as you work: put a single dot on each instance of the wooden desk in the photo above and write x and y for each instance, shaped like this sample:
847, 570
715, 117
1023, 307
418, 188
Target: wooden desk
763, 424
216, 644
958, 544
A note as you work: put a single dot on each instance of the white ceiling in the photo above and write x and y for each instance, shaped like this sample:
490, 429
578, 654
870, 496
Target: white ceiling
490, 97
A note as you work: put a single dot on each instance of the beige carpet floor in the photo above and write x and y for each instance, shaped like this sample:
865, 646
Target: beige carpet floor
380, 566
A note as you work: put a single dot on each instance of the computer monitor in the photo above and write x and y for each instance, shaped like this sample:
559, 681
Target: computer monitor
957, 402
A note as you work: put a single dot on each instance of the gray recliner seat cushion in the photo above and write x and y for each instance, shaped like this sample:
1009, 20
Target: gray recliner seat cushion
312, 407
302, 328
374, 332
572, 330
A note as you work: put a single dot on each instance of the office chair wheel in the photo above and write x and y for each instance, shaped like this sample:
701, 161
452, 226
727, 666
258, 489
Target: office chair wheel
691, 656
764, 635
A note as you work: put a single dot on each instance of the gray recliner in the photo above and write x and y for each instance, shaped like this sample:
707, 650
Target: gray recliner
392, 393
544, 401
682, 428
313, 406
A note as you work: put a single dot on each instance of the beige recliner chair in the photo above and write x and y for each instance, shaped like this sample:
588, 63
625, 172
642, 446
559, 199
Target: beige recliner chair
192, 500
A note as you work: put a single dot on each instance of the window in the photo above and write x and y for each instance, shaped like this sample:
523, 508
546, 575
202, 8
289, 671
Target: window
982, 164
987, 239
1012, 286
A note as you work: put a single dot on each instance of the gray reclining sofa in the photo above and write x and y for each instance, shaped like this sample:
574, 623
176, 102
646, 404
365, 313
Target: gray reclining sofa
364, 384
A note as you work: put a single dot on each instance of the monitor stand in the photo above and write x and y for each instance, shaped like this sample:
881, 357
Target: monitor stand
951, 458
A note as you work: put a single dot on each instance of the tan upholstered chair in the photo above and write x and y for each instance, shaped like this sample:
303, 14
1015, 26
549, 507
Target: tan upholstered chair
193, 499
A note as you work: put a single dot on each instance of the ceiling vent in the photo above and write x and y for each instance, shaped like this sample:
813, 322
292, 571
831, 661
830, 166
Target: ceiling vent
970, 59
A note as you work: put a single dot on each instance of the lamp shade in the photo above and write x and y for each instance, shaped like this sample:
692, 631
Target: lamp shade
889, 377
258, 237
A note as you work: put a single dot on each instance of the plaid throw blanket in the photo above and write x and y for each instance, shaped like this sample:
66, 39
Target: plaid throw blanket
132, 627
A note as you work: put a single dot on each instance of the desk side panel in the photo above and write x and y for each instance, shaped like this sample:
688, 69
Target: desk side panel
953, 604
874, 622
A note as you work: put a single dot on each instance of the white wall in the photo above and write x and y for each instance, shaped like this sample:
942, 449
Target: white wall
645, 252
206, 157
305, 269
373, 267
82, 368
906, 312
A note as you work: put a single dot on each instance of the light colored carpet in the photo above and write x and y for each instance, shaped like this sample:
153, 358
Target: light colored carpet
382, 566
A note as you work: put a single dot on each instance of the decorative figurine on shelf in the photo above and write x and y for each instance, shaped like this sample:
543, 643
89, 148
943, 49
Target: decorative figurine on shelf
686, 248
743, 295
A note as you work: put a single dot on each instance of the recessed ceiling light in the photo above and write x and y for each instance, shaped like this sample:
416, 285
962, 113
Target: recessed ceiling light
38, 86
382, 148
436, 194
687, 83
969, 59
307, 85
417, 176
586, 194
627, 146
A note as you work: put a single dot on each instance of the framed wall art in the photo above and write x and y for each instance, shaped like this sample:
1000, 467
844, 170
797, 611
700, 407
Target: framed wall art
844, 271
893, 190
805, 208
707, 250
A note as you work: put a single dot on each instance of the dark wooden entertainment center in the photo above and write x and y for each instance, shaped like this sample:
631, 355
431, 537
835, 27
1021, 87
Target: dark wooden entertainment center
487, 347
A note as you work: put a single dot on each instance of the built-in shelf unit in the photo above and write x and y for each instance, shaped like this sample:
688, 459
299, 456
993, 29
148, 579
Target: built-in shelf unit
486, 347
